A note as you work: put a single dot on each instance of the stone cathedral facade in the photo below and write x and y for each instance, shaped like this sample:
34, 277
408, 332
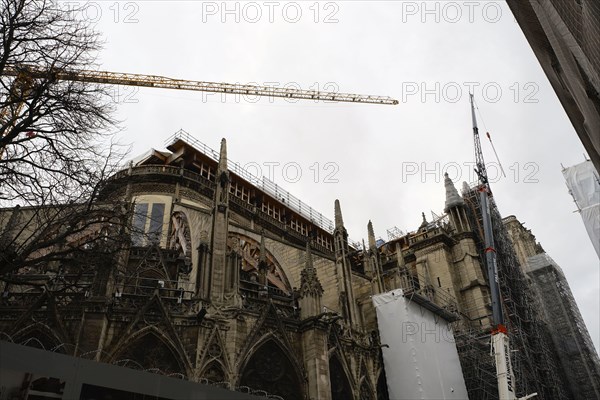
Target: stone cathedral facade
222, 284
232, 281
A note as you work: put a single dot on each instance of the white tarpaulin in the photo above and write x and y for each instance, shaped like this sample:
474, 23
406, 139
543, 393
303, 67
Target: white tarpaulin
419, 354
583, 183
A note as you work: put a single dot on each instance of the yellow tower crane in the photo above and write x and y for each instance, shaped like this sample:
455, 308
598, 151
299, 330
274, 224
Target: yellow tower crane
126, 79
25, 74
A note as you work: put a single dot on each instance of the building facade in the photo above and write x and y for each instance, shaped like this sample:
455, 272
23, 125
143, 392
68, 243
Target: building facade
571, 339
229, 280
224, 283
565, 37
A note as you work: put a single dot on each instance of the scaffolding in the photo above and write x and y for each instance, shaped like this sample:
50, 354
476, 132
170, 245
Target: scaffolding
571, 338
263, 183
478, 368
534, 361
394, 233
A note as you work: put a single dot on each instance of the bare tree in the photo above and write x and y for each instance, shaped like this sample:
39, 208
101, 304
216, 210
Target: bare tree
57, 144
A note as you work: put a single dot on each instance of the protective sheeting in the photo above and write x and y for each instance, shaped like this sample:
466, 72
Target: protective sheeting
584, 185
419, 352
540, 261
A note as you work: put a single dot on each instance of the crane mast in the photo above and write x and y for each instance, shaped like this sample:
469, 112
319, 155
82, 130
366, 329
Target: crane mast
490, 251
479, 163
119, 78
500, 341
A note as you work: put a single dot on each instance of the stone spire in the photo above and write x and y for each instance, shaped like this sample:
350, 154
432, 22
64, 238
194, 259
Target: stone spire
453, 199
222, 277
374, 262
310, 286
339, 221
311, 289
343, 266
340, 235
371, 233
222, 192
223, 156
455, 206
424, 223
465, 188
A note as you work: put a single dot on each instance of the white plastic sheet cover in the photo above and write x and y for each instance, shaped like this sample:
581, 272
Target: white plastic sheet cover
583, 183
419, 353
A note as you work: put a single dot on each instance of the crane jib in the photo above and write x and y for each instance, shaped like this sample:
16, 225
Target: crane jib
126, 79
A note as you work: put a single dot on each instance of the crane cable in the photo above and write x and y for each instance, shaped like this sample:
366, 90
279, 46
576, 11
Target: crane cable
487, 133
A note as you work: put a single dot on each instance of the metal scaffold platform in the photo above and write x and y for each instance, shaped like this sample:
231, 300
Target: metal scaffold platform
535, 367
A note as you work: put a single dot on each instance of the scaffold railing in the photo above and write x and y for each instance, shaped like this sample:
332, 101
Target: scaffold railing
263, 183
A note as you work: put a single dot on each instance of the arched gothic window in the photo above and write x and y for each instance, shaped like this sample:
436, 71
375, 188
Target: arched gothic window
340, 387
270, 369
39, 339
214, 373
151, 353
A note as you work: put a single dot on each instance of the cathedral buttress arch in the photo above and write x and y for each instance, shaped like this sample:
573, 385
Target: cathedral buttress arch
253, 253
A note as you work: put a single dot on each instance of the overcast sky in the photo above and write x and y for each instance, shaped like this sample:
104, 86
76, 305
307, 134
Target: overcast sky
384, 163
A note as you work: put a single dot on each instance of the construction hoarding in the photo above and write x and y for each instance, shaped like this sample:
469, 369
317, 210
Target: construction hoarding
584, 185
419, 352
